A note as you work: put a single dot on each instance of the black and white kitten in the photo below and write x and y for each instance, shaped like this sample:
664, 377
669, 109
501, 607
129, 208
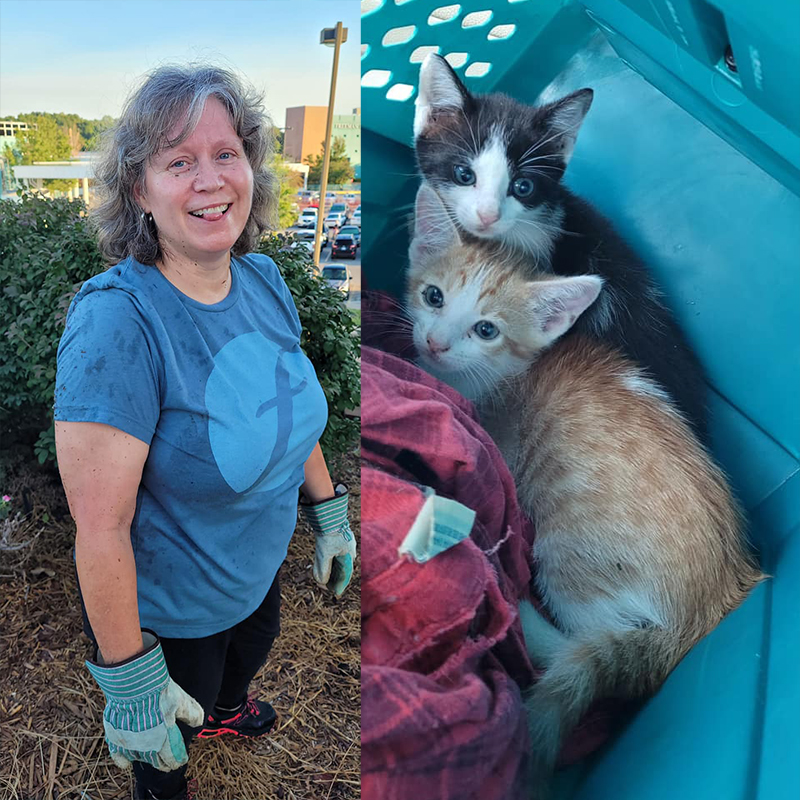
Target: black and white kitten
497, 165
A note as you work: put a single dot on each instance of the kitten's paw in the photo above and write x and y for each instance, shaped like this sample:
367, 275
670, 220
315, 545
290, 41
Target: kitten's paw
543, 641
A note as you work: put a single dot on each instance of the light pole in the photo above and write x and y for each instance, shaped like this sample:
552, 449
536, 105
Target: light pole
330, 37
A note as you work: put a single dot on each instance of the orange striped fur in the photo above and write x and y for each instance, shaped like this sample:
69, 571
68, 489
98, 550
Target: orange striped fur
640, 549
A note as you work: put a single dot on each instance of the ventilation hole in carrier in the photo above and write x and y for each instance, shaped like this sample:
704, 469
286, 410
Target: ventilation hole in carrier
443, 14
501, 32
456, 60
368, 6
400, 91
399, 35
476, 19
375, 78
477, 69
364, 50
418, 55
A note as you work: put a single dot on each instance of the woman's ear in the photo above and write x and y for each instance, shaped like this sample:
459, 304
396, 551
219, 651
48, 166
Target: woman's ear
139, 197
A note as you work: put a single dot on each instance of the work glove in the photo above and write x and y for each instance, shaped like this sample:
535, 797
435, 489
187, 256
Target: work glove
142, 704
336, 544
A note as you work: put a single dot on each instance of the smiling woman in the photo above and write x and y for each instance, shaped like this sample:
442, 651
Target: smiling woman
199, 192
187, 419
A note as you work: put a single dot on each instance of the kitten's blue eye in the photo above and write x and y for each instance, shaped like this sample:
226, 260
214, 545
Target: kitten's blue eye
522, 187
463, 175
433, 296
486, 330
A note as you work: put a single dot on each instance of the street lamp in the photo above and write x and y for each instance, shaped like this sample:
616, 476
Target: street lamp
330, 37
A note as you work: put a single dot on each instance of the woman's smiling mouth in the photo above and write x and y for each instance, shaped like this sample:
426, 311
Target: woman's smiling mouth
211, 213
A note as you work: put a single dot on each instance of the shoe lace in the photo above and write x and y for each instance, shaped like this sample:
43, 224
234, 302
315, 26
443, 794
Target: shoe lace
251, 707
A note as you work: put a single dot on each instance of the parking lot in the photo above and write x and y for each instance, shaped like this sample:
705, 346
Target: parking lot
354, 265
326, 253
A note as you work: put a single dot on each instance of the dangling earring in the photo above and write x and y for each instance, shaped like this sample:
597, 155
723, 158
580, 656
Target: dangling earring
147, 217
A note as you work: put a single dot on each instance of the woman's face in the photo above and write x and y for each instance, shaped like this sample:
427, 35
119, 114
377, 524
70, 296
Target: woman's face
207, 170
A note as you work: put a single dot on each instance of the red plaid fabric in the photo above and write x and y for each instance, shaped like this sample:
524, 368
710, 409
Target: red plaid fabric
443, 659
442, 651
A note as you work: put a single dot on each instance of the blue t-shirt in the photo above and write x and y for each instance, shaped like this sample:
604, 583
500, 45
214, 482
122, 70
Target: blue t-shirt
231, 408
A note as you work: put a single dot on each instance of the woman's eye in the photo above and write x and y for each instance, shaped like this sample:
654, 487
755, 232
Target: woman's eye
486, 330
229, 155
433, 296
178, 163
522, 187
463, 175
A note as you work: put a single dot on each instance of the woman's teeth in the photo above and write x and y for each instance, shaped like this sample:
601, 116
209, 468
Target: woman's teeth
215, 210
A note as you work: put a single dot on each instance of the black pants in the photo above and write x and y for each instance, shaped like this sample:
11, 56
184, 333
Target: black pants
215, 670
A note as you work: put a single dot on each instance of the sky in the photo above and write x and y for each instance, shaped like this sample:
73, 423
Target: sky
84, 56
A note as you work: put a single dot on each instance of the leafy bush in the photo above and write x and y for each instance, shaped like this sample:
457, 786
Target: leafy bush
47, 250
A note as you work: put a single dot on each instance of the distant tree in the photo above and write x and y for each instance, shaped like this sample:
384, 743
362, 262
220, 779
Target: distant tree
290, 182
279, 139
57, 137
13, 157
46, 142
340, 170
93, 129
70, 124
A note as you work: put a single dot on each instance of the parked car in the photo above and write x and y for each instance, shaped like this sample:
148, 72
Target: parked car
339, 208
338, 278
330, 194
351, 197
353, 230
356, 218
308, 218
306, 245
308, 234
335, 220
344, 246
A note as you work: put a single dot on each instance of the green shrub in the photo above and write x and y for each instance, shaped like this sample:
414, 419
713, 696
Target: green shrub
46, 252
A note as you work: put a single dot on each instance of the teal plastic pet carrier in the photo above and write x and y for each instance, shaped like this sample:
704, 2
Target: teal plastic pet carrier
692, 148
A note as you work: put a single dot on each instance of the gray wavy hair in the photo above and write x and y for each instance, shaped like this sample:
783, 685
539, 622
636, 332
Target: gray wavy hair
169, 95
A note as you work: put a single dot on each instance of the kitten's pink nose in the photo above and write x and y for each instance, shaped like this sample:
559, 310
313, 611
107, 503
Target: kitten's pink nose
488, 218
437, 347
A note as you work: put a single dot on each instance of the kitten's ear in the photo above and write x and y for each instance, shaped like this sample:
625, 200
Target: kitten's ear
439, 89
564, 119
434, 230
556, 304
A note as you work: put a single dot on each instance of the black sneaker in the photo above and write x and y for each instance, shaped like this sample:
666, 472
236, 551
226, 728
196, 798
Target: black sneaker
253, 718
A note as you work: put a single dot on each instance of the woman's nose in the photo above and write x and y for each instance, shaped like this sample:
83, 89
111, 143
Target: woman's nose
208, 177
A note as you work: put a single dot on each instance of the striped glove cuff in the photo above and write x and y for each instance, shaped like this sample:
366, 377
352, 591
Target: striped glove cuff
329, 516
140, 675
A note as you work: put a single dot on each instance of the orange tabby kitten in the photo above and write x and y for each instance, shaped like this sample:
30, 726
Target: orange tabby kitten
639, 550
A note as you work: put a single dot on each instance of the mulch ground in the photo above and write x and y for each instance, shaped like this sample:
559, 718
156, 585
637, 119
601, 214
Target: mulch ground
51, 731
